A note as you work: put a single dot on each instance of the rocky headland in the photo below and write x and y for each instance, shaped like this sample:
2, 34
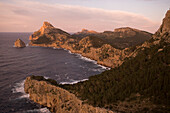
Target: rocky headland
19, 43
58, 100
91, 44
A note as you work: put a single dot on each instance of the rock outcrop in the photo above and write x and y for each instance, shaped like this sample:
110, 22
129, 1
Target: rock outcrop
164, 30
57, 99
19, 43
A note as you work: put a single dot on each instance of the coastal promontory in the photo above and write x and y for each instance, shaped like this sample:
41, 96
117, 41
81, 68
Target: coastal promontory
46, 92
107, 48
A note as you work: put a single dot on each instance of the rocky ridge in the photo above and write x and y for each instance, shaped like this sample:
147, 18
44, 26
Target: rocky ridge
19, 43
92, 46
57, 99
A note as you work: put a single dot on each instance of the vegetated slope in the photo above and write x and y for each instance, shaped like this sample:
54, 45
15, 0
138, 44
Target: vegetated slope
141, 83
147, 75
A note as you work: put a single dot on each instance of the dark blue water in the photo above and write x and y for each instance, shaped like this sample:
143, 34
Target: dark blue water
18, 63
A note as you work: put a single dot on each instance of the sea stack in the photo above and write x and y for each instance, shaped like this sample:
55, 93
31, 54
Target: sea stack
19, 43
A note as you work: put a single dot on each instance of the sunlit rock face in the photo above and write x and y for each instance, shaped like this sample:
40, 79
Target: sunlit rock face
57, 99
164, 30
19, 43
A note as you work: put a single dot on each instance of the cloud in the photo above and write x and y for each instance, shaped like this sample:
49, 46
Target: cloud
22, 16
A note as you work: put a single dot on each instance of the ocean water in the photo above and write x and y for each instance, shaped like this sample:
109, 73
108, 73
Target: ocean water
18, 63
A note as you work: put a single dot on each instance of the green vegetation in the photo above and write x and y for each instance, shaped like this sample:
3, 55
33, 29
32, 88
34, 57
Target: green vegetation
147, 74
96, 42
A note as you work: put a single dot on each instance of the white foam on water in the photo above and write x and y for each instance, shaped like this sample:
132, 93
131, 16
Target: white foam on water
19, 88
70, 52
27, 45
46, 77
88, 59
93, 61
56, 48
41, 110
73, 81
44, 110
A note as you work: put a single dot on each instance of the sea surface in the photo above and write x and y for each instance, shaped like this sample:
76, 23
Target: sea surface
18, 63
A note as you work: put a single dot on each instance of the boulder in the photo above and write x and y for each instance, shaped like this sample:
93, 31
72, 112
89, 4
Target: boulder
19, 43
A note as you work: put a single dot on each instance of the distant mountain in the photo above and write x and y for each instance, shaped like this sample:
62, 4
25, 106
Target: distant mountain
119, 38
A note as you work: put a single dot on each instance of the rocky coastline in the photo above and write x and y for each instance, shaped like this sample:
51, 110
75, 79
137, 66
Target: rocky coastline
93, 47
58, 100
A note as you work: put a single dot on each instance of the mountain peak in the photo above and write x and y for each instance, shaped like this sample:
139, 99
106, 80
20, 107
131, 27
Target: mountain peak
88, 31
125, 29
47, 24
165, 27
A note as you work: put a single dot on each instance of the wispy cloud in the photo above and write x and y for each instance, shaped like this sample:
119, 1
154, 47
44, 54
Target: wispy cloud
29, 16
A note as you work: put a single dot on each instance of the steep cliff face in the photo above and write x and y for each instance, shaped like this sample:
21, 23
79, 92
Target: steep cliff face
164, 30
19, 43
48, 35
162, 34
57, 99
93, 47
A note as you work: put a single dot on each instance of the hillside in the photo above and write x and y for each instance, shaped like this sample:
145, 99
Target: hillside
120, 38
140, 84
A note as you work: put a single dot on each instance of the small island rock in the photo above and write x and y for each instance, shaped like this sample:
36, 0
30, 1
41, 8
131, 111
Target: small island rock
19, 43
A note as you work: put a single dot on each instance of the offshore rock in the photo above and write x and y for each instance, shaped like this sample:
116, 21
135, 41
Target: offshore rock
19, 43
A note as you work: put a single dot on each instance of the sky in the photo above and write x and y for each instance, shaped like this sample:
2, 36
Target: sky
74, 15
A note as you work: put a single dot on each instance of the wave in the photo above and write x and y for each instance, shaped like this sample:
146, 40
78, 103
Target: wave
84, 58
41, 110
46, 77
70, 52
19, 88
93, 61
73, 81
88, 59
27, 45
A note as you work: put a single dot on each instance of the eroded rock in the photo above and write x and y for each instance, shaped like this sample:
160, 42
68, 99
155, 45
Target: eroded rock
57, 99
19, 43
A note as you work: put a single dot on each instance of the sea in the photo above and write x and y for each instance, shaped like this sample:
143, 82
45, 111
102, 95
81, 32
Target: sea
18, 63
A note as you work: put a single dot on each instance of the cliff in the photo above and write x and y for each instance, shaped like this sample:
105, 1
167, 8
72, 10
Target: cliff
57, 99
88, 43
19, 43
